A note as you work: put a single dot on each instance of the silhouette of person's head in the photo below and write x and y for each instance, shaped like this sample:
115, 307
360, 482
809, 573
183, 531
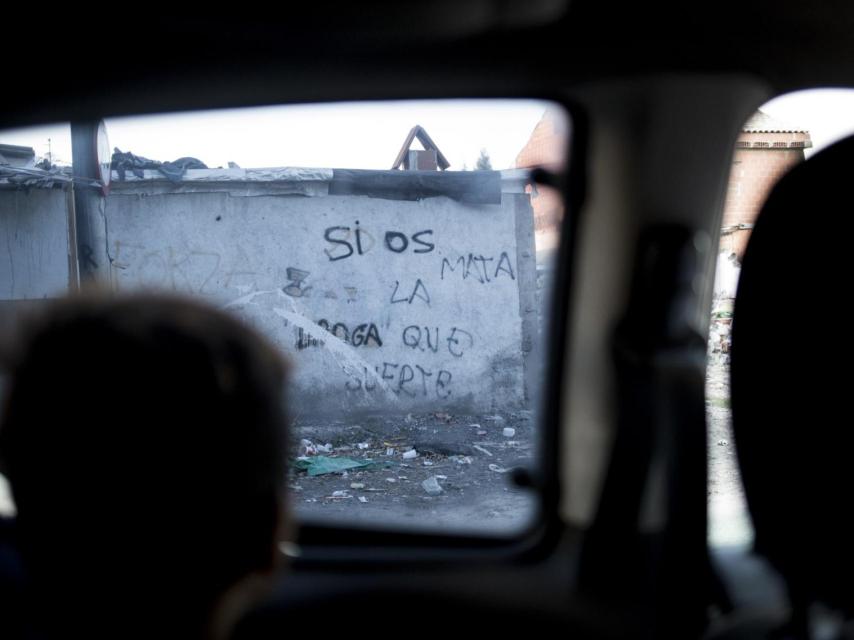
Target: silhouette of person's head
144, 441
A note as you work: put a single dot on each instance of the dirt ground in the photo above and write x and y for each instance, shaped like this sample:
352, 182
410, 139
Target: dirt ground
478, 493
729, 522
470, 459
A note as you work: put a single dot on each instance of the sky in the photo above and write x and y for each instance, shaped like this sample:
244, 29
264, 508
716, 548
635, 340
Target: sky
369, 135
343, 135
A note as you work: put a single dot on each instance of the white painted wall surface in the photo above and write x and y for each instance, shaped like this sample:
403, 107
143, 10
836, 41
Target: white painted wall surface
433, 322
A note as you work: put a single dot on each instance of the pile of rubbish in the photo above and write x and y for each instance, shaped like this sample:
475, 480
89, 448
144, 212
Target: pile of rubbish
42, 175
173, 171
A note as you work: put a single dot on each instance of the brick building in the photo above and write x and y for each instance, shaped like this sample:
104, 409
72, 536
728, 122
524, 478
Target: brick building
546, 148
765, 150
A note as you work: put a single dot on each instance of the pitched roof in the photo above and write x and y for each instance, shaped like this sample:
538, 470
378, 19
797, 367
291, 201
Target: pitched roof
423, 137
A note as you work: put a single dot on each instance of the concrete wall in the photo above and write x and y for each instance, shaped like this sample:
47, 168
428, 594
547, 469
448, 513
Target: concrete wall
384, 304
34, 256
33, 243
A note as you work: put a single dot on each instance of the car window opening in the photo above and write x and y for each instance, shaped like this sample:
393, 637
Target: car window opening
399, 254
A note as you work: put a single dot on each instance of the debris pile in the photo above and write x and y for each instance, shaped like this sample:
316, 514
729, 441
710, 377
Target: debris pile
173, 171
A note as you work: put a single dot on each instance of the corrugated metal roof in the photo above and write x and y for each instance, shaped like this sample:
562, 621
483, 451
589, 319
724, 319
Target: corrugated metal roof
761, 122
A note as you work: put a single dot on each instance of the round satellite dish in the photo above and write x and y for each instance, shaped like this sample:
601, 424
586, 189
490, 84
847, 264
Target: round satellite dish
102, 148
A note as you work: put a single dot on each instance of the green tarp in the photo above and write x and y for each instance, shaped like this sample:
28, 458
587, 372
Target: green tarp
319, 465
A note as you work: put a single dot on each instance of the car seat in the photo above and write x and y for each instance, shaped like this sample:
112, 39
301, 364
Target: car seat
791, 382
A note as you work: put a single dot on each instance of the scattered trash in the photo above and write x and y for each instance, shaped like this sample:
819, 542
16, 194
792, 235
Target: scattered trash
410, 455
444, 417
474, 425
722, 443
497, 469
362, 499
391, 479
431, 485
340, 494
436, 447
306, 448
463, 460
442, 477
362, 445
357, 485
481, 433
509, 432
311, 499
482, 450
389, 451
320, 465
408, 419
427, 463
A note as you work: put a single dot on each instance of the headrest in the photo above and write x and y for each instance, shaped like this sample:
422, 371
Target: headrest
791, 376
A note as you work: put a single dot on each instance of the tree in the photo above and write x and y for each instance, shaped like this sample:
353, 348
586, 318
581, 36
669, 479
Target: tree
483, 162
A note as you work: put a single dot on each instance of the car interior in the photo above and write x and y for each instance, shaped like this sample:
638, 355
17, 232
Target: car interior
656, 95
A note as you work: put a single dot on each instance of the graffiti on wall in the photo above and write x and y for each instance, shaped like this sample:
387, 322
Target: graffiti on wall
385, 306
